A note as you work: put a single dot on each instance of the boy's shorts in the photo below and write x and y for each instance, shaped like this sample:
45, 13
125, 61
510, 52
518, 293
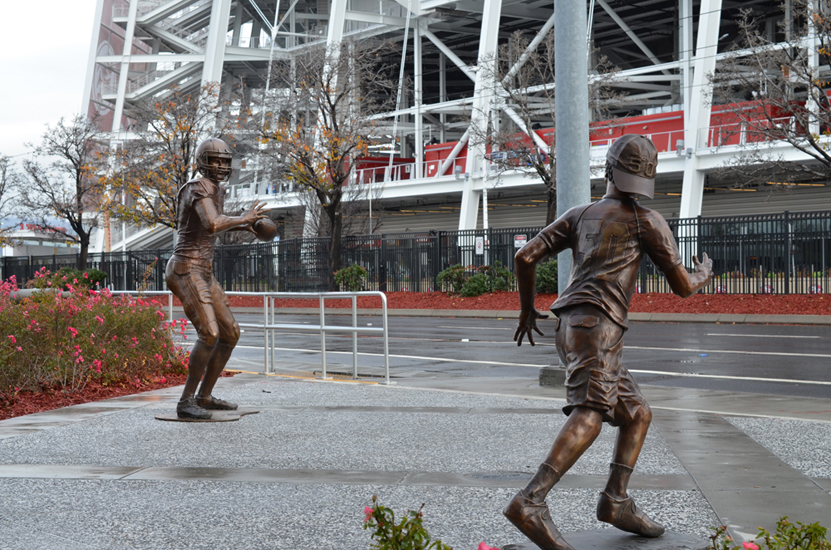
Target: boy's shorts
590, 345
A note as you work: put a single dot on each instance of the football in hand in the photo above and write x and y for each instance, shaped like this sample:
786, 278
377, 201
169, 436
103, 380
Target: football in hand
265, 229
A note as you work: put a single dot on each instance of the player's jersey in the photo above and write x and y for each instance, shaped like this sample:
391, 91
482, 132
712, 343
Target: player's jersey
194, 241
608, 239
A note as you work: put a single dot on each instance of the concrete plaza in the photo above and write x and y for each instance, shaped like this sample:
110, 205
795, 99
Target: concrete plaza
298, 474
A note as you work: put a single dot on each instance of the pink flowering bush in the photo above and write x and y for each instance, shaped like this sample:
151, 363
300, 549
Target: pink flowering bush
67, 278
787, 537
56, 342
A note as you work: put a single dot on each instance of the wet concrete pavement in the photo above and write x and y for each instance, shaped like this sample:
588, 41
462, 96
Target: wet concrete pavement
461, 439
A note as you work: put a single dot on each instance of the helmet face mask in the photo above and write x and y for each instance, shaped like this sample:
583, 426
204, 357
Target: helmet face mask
213, 159
633, 160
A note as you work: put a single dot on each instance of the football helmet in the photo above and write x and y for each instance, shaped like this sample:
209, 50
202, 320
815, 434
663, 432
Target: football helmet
213, 159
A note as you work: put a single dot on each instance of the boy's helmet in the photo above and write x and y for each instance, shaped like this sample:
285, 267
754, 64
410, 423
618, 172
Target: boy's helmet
207, 159
633, 159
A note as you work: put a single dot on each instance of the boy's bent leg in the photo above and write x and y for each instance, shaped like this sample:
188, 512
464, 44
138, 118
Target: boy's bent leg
616, 507
527, 510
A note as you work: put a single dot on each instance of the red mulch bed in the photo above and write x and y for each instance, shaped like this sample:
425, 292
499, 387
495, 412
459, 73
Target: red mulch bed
768, 304
28, 402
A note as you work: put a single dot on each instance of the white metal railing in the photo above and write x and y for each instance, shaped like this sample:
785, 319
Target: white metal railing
269, 326
145, 6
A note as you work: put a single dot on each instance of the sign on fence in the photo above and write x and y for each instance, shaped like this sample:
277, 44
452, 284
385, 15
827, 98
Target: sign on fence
480, 245
520, 240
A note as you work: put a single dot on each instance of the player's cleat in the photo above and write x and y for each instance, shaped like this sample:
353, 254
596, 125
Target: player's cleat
211, 403
534, 520
188, 408
623, 514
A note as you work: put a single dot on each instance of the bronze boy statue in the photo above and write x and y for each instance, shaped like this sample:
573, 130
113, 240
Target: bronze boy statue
608, 239
189, 276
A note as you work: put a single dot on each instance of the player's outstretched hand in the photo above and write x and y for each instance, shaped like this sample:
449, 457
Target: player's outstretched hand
527, 325
705, 266
256, 212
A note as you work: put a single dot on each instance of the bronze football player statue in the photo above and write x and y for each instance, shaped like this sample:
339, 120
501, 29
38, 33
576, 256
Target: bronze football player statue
189, 276
608, 238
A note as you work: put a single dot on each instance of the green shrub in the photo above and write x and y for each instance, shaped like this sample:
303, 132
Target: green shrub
547, 282
489, 279
352, 277
787, 537
453, 277
408, 534
62, 343
476, 286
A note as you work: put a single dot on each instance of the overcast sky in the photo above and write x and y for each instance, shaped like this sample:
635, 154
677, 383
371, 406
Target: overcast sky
44, 48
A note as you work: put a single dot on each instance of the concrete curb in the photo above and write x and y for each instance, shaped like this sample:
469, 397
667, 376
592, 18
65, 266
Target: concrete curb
513, 314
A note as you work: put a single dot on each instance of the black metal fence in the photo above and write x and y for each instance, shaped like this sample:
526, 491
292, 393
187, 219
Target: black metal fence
777, 253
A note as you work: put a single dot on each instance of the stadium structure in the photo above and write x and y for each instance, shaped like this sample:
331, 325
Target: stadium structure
664, 50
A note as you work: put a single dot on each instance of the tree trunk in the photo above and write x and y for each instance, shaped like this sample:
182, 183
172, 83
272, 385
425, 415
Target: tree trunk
551, 214
82, 256
334, 250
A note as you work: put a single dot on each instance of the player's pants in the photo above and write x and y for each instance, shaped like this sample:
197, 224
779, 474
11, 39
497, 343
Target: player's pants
204, 302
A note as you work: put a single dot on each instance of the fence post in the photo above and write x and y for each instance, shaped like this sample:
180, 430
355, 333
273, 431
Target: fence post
382, 268
787, 229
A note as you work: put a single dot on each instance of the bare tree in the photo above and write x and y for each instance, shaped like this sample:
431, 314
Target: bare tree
523, 83
149, 169
8, 182
61, 182
317, 124
775, 88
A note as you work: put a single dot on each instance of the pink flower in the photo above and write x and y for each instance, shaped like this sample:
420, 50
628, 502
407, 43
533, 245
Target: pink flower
163, 380
750, 546
12, 338
483, 546
19, 348
367, 513
73, 332
99, 319
86, 275
97, 365
159, 313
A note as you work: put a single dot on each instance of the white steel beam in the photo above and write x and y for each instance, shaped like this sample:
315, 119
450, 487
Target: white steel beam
91, 59
164, 11
337, 17
629, 32
692, 191
450, 55
508, 110
685, 51
125, 66
482, 98
215, 47
171, 38
418, 84
532, 47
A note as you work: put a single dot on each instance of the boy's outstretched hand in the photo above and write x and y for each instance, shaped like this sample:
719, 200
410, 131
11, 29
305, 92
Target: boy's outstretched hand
527, 325
705, 266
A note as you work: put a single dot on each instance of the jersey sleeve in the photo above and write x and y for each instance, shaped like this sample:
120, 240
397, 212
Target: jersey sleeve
557, 236
659, 242
201, 189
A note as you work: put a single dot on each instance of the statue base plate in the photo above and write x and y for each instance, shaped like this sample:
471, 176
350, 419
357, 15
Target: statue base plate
217, 416
613, 539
